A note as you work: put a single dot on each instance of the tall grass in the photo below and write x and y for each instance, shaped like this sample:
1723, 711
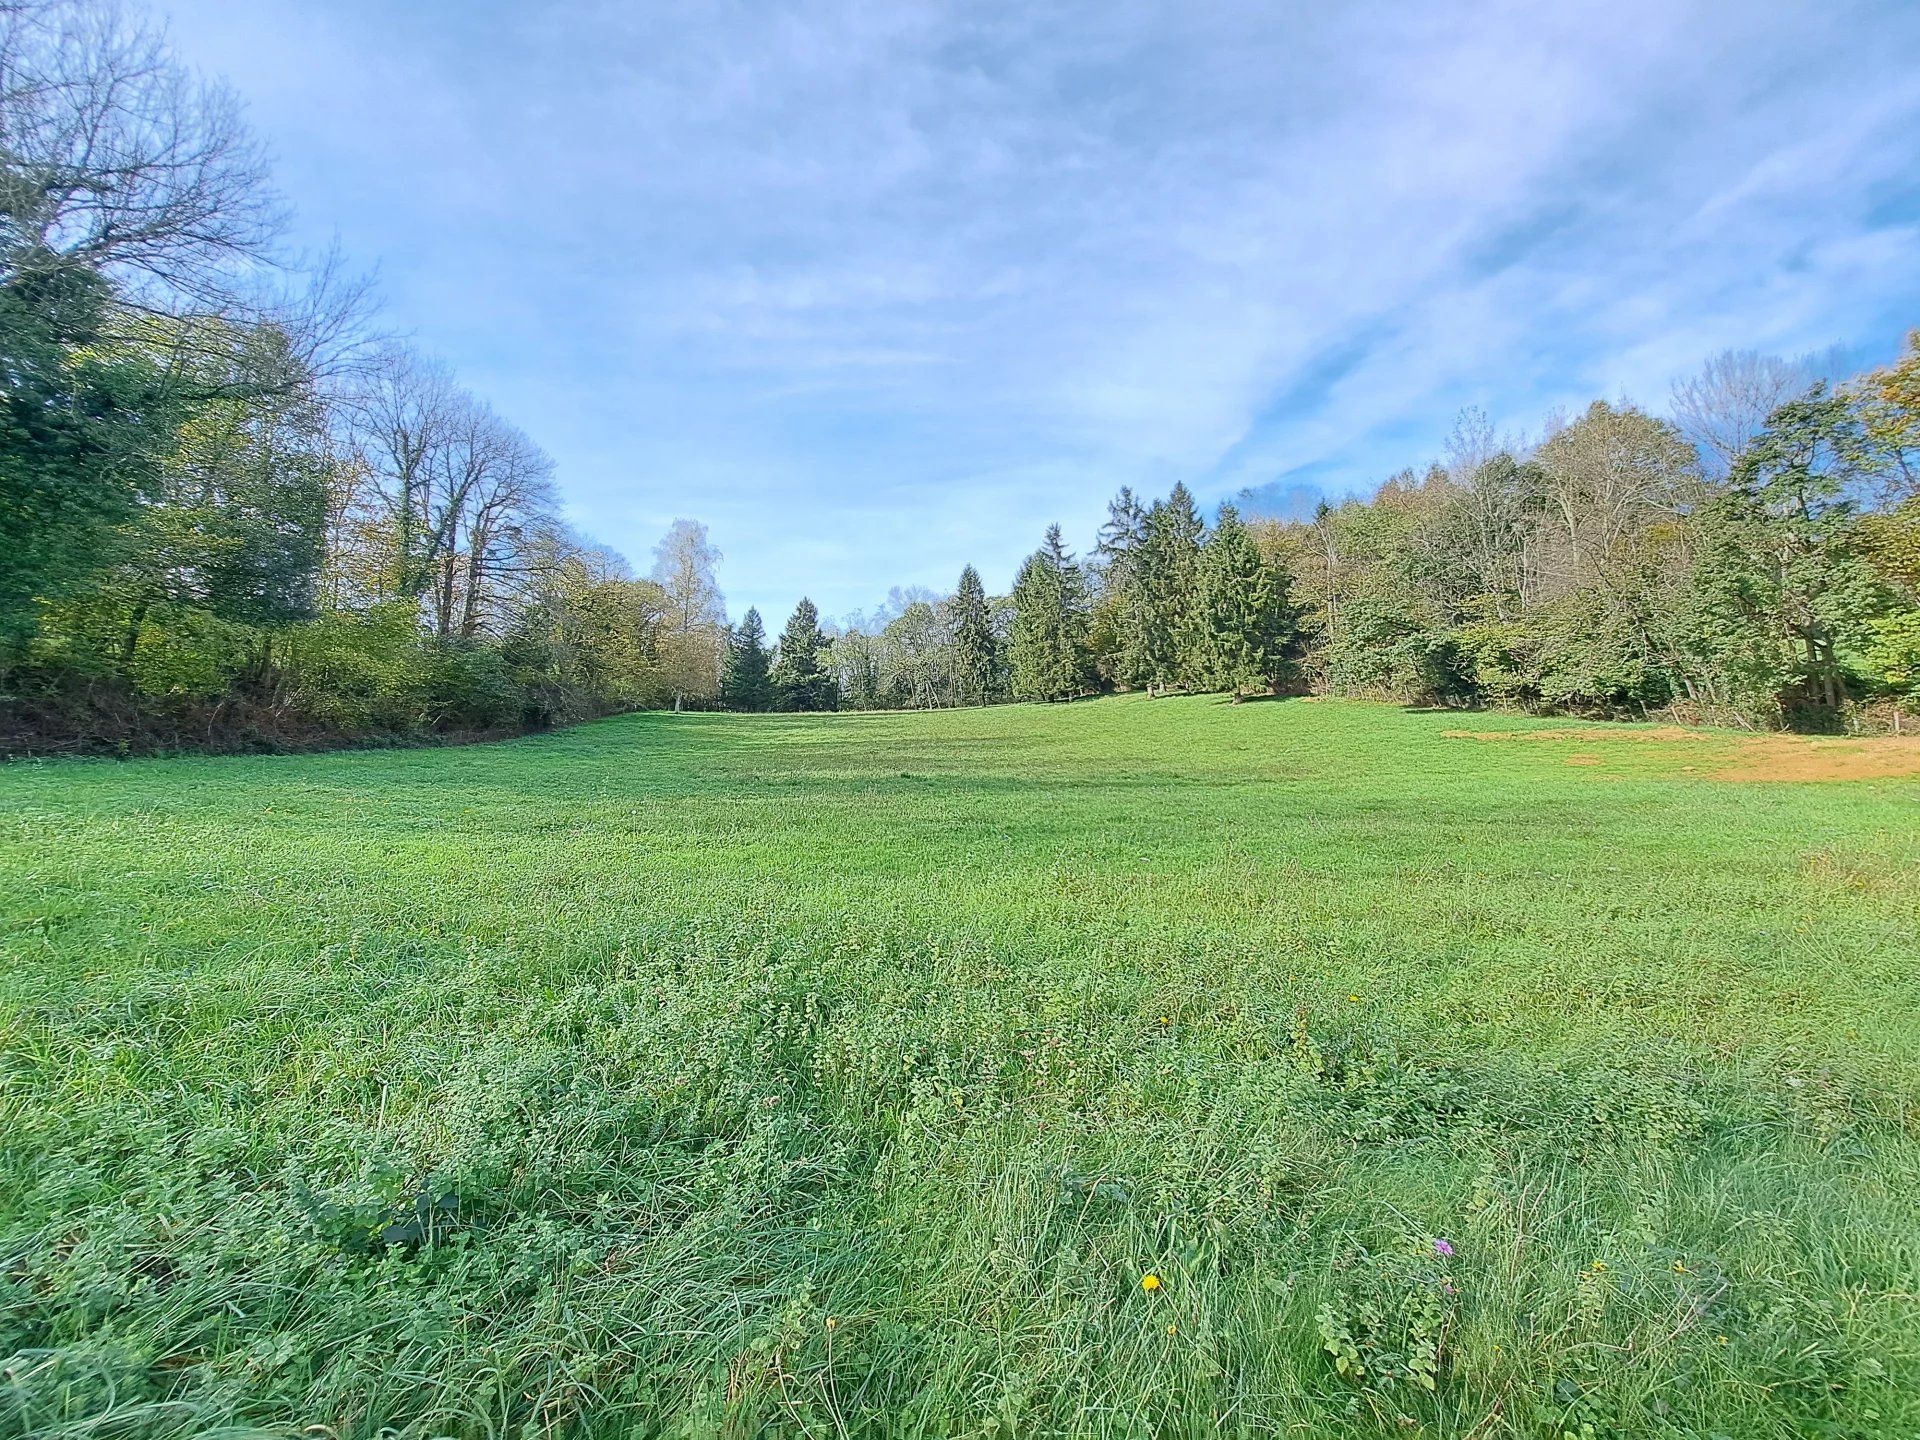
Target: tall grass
826, 1076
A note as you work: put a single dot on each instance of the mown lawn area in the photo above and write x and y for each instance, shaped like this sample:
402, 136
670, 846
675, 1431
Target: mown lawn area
1123, 1068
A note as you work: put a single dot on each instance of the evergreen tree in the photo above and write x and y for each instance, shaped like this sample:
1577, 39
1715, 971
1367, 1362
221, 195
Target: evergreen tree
1120, 537
1131, 592
1159, 643
1048, 650
746, 683
799, 678
1243, 622
1115, 617
1073, 585
976, 653
1036, 604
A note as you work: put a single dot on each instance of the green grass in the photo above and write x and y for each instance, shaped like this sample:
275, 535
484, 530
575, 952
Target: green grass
845, 1075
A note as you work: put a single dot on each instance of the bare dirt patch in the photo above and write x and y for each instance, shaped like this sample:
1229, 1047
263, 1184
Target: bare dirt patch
1795, 757
1741, 758
1584, 732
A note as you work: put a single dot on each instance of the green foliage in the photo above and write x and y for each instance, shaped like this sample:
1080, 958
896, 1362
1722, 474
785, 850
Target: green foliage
1157, 624
363, 671
593, 644
1385, 1322
800, 679
978, 668
1383, 649
1047, 657
1785, 572
814, 1074
1892, 652
373, 672
1607, 575
181, 494
81, 431
1243, 623
746, 681
236, 525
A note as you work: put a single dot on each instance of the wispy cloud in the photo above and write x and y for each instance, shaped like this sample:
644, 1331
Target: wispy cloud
881, 289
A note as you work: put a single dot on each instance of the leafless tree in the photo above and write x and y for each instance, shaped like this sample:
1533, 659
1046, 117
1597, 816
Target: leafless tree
696, 627
401, 421
1607, 478
1723, 406
1469, 445
116, 160
114, 157
327, 312
1495, 531
456, 496
494, 496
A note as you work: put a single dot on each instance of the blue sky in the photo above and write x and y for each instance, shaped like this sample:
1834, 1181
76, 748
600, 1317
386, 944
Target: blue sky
877, 289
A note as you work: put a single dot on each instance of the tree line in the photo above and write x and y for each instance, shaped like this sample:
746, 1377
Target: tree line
1164, 601
233, 512
1751, 558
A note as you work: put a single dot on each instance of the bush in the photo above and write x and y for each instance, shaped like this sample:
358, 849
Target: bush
362, 671
1892, 653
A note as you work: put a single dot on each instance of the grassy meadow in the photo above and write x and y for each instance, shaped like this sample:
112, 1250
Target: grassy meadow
1153, 1068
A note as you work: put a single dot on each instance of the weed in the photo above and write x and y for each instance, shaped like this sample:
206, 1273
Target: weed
702, 1075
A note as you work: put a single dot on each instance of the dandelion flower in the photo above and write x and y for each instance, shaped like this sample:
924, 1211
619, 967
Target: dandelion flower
1150, 1282
1353, 997
1173, 1329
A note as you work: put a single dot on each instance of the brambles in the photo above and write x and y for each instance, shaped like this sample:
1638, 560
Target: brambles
1387, 1317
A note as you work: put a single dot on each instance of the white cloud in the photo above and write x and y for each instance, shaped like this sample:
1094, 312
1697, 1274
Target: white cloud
880, 289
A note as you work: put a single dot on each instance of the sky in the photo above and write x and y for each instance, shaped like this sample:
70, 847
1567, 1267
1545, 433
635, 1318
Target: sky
875, 290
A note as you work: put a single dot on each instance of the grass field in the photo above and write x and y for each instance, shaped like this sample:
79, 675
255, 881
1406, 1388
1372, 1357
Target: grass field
1127, 1068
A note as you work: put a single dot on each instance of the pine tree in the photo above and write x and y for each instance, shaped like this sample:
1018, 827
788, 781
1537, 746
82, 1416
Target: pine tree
799, 679
747, 681
1036, 603
1073, 584
976, 653
1243, 621
1160, 639
1120, 551
1048, 651
1120, 537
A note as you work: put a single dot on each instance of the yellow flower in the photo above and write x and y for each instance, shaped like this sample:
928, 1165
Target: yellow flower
1173, 1329
1166, 1020
1600, 1265
1149, 1282
833, 1322
1722, 1339
1353, 997
1679, 1268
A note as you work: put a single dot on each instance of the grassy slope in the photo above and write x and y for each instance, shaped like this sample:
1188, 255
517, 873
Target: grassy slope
949, 1028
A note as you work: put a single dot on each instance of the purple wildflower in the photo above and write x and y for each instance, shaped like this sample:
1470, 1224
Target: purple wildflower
1442, 1249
